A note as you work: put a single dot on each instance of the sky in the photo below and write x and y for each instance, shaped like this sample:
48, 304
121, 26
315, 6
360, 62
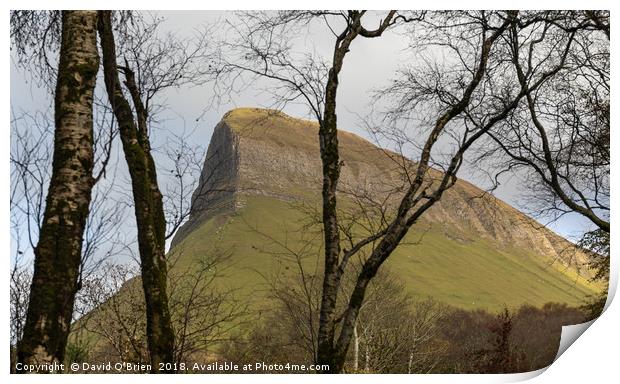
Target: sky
369, 65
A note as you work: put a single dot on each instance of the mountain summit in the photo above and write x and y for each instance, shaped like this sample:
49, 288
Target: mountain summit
471, 249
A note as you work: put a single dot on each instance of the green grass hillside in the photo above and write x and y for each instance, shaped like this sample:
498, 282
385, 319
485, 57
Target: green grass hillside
261, 238
262, 175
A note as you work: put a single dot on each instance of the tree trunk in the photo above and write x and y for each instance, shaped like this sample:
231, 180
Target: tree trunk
356, 349
405, 218
328, 143
410, 363
367, 359
329, 353
58, 251
149, 211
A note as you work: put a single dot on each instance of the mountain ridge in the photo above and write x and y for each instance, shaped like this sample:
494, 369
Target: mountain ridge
258, 206
266, 152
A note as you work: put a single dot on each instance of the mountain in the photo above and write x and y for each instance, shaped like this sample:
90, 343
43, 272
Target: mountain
259, 195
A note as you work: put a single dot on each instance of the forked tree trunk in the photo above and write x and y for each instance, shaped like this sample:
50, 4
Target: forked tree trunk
147, 197
58, 251
407, 213
328, 144
328, 352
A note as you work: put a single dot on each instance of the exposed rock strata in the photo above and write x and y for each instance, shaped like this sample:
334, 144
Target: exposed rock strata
265, 152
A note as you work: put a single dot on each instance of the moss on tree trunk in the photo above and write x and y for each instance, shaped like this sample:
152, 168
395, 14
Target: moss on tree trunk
58, 251
149, 210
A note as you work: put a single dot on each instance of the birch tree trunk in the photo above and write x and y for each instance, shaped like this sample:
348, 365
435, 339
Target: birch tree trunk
356, 349
410, 363
58, 251
147, 197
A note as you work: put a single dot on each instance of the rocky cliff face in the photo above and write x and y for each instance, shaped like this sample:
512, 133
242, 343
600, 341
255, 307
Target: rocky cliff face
265, 152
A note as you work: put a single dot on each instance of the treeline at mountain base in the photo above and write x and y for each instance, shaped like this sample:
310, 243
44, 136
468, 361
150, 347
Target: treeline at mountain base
395, 333
444, 340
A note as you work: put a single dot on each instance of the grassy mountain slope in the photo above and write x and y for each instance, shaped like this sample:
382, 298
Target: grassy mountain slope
471, 274
262, 177
471, 250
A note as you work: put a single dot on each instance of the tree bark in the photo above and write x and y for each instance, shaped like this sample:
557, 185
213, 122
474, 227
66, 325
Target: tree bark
334, 352
58, 251
356, 349
147, 197
405, 218
410, 363
328, 143
367, 359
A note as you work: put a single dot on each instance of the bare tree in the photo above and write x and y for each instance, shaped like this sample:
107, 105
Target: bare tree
558, 137
184, 165
161, 70
19, 297
267, 55
31, 165
117, 314
263, 51
148, 200
202, 313
36, 40
535, 83
57, 263
151, 65
395, 332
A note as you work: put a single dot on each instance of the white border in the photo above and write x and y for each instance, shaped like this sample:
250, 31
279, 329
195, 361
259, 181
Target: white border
593, 358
